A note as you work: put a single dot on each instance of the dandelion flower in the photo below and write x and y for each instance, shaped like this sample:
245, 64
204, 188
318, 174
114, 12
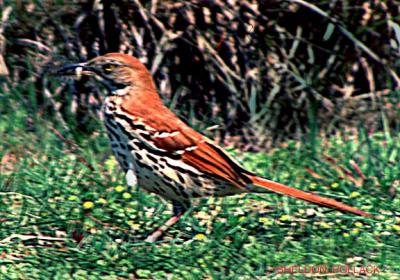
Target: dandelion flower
88, 205
265, 221
354, 194
200, 236
359, 224
126, 195
284, 218
119, 188
334, 185
325, 225
101, 201
396, 227
355, 231
110, 163
133, 225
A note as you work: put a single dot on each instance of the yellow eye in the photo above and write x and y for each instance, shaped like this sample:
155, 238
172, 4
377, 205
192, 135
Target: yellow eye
108, 68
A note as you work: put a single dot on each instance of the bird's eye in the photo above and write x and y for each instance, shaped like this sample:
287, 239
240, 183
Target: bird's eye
108, 68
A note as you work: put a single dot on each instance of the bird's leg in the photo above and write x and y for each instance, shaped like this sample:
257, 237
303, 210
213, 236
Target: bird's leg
178, 210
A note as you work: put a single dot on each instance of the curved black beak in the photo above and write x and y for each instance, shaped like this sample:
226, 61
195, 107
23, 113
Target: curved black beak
74, 70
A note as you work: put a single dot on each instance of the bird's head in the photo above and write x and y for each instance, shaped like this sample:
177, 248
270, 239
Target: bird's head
120, 73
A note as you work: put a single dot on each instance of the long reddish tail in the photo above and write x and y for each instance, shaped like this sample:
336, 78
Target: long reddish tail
328, 202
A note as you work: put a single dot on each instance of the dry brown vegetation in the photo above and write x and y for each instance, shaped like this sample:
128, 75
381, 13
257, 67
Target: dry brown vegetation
264, 70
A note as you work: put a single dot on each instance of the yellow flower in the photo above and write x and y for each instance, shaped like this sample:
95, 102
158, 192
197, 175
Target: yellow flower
354, 194
110, 163
325, 225
126, 195
200, 236
354, 231
284, 218
88, 205
133, 225
334, 185
73, 198
396, 227
265, 221
119, 188
102, 201
346, 235
358, 224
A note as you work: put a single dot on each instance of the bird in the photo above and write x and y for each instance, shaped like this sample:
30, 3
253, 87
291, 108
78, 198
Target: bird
162, 154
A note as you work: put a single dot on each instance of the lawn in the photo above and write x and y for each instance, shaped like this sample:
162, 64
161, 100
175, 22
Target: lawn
66, 212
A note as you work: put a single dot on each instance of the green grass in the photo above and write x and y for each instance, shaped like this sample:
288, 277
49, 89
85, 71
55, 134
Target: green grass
46, 232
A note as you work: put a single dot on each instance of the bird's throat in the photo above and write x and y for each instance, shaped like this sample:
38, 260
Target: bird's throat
120, 91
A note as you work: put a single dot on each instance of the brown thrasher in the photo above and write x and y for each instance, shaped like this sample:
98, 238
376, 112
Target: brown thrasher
161, 153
